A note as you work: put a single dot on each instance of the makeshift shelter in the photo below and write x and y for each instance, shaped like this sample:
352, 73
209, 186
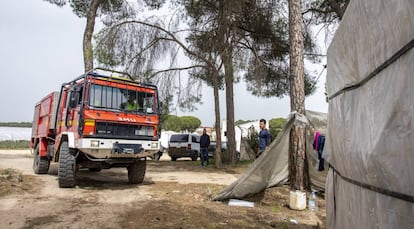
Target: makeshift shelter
271, 168
370, 138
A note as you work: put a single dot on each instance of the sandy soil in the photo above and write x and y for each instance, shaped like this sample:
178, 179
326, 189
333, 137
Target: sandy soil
173, 195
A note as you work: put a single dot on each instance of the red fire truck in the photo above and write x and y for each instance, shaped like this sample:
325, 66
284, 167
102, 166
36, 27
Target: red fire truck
100, 120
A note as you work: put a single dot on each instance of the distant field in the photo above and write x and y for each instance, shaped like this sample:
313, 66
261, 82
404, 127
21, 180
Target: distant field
19, 144
16, 124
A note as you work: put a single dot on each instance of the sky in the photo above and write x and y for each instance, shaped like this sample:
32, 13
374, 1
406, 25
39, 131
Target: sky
41, 48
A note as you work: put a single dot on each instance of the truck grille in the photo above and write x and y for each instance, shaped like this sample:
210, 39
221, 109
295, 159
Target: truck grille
114, 130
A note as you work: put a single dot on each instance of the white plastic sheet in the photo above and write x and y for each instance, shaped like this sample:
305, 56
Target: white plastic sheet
370, 138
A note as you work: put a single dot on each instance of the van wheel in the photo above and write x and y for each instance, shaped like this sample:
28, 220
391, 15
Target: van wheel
136, 172
40, 164
194, 157
67, 167
173, 158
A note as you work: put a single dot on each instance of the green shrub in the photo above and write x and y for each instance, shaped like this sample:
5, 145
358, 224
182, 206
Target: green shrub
10, 144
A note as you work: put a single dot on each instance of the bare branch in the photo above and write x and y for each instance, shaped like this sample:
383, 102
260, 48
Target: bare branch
176, 69
172, 38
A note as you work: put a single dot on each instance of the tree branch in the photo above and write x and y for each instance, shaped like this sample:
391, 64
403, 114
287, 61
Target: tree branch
172, 38
176, 69
313, 10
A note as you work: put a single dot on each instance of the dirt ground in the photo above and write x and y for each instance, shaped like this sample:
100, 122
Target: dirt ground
173, 195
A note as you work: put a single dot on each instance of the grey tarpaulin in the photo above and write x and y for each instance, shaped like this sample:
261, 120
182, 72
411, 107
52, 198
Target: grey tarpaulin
370, 138
271, 168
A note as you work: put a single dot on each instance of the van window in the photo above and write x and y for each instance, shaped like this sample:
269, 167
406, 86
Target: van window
195, 139
179, 138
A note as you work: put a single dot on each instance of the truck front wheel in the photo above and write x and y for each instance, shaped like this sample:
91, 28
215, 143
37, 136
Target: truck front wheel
40, 164
136, 172
67, 167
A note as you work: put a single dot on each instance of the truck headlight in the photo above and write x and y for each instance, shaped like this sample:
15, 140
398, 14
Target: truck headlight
95, 143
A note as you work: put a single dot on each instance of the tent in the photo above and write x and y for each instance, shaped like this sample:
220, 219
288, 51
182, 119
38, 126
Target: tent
271, 168
370, 138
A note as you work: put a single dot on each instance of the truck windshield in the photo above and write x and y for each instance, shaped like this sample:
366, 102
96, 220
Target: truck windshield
121, 99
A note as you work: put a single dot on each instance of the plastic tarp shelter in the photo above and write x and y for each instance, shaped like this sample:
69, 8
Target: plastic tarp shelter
370, 138
271, 168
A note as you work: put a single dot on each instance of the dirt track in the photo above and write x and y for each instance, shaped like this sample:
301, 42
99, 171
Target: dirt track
173, 195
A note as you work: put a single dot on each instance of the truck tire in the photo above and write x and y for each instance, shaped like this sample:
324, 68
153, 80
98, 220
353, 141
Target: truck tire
173, 158
40, 164
136, 171
67, 167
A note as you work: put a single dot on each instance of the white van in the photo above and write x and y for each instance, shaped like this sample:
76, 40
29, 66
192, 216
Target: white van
184, 145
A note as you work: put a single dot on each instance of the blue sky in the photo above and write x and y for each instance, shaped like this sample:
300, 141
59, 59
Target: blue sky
41, 48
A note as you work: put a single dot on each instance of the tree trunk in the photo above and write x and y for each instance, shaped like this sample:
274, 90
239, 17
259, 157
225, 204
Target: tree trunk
229, 80
227, 58
87, 36
297, 96
217, 155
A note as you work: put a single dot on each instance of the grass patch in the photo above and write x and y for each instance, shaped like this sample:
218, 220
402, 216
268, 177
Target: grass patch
8, 173
16, 124
13, 181
276, 209
19, 144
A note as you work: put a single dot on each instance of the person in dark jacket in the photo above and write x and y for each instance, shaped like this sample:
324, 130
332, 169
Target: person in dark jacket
204, 144
264, 137
318, 145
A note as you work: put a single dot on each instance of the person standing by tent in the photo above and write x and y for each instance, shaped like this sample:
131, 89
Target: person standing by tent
264, 137
204, 144
318, 145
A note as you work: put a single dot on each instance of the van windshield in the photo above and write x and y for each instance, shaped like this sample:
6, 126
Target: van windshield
179, 138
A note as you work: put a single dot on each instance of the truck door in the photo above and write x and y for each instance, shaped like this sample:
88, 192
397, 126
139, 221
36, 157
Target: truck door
73, 102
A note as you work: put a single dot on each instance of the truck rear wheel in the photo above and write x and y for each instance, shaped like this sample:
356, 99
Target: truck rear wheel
136, 172
40, 164
67, 167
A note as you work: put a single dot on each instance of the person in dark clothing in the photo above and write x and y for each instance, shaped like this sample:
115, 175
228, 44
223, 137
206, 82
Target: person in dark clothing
204, 144
264, 137
318, 145
321, 144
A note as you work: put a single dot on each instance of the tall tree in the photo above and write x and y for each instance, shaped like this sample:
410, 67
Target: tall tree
90, 9
245, 33
267, 72
87, 36
297, 147
218, 20
211, 76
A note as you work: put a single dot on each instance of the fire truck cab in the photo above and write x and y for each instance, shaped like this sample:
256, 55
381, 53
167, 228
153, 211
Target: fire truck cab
100, 120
